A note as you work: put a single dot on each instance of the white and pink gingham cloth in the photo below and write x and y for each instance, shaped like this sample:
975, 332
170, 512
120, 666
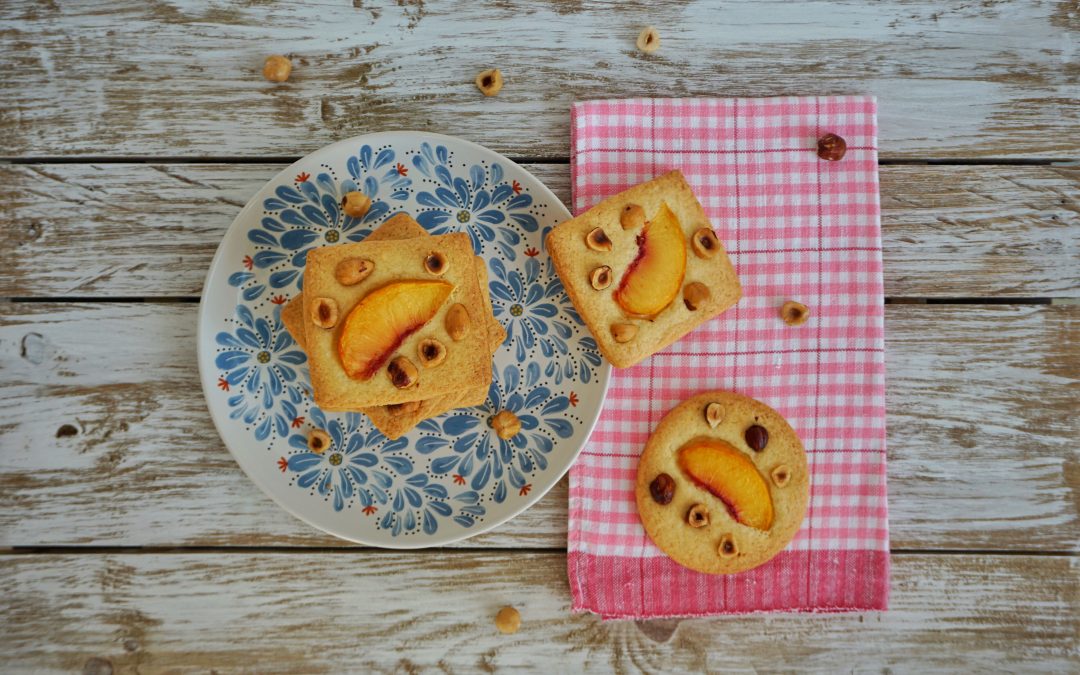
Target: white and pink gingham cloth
796, 228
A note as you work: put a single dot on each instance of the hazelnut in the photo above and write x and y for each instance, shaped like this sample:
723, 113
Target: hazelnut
780, 476
662, 489
757, 437
277, 68
698, 516
508, 620
352, 271
324, 312
431, 352
632, 217
355, 204
435, 263
318, 441
402, 373
457, 322
831, 148
598, 240
506, 424
404, 408
648, 40
695, 294
623, 332
714, 414
705, 243
600, 278
794, 313
727, 547
489, 82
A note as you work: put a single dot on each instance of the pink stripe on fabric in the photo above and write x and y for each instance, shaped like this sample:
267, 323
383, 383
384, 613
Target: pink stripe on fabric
796, 227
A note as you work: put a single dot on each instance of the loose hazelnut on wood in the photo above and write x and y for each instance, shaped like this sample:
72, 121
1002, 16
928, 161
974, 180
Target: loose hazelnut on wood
431, 352
600, 278
318, 441
831, 148
277, 68
794, 313
436, 263
648, 40
727, 547
355, 204
489, 82
632, 217
457, 322
695, 294
705, 243
714, 414
352, 271
598, 240
508, 620
698, 516
324, 312
623, 332
506, 424
402, 373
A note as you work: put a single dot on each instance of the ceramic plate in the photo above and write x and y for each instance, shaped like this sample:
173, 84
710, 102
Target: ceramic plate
451, 477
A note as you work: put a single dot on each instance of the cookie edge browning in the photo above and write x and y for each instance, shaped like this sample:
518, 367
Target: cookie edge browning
784, 527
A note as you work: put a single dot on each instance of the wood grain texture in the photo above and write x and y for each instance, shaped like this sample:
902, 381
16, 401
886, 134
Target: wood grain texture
381, 612
108, 230
182, 78
110, 446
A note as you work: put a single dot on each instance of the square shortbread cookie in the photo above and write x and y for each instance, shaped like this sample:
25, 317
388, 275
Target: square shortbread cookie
643, 268
399, 275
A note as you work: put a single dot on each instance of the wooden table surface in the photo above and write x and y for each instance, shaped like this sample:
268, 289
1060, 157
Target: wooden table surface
135, 130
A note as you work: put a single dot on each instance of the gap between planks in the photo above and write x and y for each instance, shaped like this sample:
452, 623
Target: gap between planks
348, 548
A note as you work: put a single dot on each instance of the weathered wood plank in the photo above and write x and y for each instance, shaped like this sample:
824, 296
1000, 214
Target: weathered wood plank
134, 78
150, 230
982, 434
382, 612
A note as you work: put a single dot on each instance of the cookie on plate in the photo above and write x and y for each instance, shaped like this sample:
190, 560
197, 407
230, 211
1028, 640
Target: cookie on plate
722, 484
389, 322
643, 268
395, 420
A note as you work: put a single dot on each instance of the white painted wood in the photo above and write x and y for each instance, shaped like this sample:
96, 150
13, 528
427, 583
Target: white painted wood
107, 230
383, 612
134, 78
982, 434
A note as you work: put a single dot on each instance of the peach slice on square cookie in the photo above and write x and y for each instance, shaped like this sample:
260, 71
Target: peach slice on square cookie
722, 484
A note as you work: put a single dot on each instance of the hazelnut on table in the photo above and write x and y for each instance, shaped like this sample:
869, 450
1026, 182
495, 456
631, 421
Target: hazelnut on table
277, 68
489, 82
508, 620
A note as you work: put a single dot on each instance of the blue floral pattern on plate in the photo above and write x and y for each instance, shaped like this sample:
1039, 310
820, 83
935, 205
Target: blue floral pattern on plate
451, 473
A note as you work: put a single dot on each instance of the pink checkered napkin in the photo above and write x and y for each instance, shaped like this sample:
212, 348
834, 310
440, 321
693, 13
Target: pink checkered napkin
796, 228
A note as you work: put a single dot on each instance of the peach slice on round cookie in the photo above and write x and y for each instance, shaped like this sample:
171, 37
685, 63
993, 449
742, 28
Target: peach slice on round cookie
731, 477
655, 277
383, 319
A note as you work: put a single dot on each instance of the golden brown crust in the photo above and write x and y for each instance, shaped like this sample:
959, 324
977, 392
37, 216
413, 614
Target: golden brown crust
574, 261
703, 548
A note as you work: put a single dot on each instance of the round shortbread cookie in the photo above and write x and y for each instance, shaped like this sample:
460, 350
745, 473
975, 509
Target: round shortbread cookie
744, 528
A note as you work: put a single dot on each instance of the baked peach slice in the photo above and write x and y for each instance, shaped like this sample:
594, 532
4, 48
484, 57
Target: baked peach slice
655, 277
381, 321
728, 474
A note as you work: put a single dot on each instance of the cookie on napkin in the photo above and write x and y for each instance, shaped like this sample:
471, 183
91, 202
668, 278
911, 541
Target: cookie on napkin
643, 268
723, 483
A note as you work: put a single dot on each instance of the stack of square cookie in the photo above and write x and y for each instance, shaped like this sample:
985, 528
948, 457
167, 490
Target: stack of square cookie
398, 327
